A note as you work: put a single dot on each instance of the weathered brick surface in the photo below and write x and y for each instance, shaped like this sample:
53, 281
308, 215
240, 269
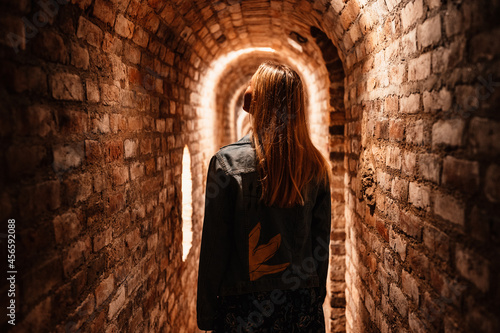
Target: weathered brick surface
432, 158
99, 103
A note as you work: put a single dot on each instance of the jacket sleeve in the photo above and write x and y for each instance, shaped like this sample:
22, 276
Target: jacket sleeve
215, 240
320, 231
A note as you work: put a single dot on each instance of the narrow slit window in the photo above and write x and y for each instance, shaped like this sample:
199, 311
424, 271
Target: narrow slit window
187, 204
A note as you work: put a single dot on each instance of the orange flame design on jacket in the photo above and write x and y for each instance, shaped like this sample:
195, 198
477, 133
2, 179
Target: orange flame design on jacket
257, 255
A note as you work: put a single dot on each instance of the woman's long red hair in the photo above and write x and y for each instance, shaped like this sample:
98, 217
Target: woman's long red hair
287, 160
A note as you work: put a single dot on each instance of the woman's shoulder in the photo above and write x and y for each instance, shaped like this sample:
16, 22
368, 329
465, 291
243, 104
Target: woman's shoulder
238, 157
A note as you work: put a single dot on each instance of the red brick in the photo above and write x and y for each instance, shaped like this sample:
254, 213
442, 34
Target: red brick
160, 125
410, 286
419, 195
146, 147
110, 94
132, 53
448, 132
393, 158
76, 255
415, 133
429, 32
120, 4
72, 122
93, 152
116, 202
87, 307
118, 123
410, 104
104, 290
102, 239
130, 147
152, 242
399, 189
473, 267
409, 42
418, 262
67, 156
449, 208
461, 174
398, 244
134, 124
124, 27
92, 91
429, 167
408, 162
80, 57
50, 45
437, 242
484, 136
113, 150
150, 166
117, 303
133, 238
112, 44
492, 179
134, 76
398, 299
120, 175
384, 180
66, 226
104, 11
396, 129
99, 182
382, 229
141, 37
350, 12
416, 324
381, 129
435, 101
419, 68
445, 58
411, 13
100, 123
136, 170
66, 86
90, 32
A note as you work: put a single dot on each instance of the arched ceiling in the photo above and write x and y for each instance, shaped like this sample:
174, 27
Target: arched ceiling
212, 35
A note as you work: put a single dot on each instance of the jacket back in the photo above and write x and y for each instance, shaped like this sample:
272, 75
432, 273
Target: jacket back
248, 246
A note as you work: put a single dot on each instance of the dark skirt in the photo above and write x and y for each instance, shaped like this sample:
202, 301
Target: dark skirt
288, 311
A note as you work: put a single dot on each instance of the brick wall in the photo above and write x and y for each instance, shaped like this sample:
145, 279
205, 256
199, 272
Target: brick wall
422, 157
99, 98
95, 116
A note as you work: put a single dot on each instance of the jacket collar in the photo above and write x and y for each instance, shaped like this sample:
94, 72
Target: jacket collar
246, 138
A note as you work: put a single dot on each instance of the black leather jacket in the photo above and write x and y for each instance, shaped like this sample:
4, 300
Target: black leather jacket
247, 246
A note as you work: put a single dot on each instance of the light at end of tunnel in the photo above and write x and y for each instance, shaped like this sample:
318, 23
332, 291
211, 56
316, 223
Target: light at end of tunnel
207, 92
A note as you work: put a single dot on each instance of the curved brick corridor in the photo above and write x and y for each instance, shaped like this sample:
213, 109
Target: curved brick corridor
99, 99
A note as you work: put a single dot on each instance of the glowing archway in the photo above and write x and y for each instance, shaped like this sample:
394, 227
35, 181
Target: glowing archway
316, 89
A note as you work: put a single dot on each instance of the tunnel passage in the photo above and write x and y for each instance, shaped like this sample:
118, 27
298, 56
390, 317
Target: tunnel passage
101, 97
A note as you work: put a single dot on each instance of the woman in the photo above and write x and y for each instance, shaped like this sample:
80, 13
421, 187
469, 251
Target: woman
265, 242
